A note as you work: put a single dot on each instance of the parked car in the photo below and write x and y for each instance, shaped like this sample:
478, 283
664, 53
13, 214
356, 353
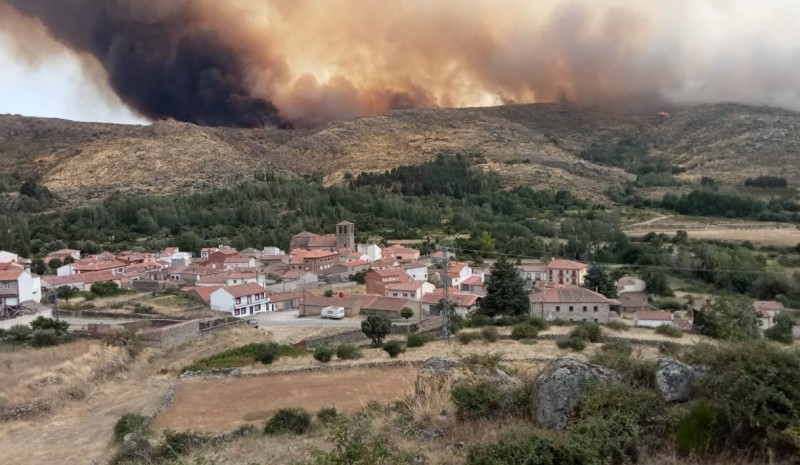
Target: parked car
335, 313
252, 323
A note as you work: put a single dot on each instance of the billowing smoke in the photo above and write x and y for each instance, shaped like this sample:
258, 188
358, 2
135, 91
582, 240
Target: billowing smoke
270, 62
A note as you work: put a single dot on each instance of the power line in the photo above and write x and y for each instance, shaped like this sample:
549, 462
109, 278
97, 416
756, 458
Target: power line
657, 267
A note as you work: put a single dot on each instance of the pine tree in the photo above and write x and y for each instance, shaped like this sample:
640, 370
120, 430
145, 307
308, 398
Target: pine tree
597, 279
505, 292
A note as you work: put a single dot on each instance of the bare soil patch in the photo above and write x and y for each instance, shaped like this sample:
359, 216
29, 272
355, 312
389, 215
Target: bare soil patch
757, 232
223, 404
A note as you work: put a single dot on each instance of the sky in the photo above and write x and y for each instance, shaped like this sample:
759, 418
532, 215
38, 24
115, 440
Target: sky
321, 61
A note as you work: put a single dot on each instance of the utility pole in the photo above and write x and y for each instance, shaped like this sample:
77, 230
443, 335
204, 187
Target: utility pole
445, 300
55, 301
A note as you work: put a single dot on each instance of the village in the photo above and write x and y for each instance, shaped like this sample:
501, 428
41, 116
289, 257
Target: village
328, 275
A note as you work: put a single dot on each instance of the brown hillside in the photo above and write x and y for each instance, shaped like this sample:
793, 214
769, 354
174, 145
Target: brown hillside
534, 145
732, 142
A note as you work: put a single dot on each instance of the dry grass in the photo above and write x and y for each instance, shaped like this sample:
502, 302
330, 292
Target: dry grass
757, 232
41, 374
220, 405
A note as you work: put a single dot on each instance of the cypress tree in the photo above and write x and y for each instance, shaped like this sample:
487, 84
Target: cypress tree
505, 292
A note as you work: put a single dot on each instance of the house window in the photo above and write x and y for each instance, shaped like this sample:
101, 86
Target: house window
585, 308
570, 308
595, 320
558, 308
595, 308
238, 300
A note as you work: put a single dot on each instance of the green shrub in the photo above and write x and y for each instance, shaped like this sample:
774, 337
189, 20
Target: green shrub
616, 346
669, 331
521, 447
475, 400
753, 386
486, 360
288, 421
587, 331
490, 334
133, 423
323, 354
245, 355
418, 340
175, 444
479, 320
617, 326
669, 348
327, 415
394, 348
528, 342
616, 422
698, 429
45, 338
348, 352
618, 355
265, 354
465, 337
524, 331
572, 343
354, 442
539, 323
106, 289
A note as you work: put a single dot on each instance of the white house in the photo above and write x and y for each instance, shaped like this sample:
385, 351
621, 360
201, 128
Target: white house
8, 257
373, 252
175, 257
413, 290
272, 251
241, 300
767, 310
18, 285
464, 303
630, 284
533, 273
416, 270
457, 272
653, 318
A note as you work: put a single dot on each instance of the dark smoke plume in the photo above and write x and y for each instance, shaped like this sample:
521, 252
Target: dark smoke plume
156, 60
263, 62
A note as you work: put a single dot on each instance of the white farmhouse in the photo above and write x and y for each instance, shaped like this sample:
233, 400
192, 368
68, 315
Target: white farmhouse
373, 252
241, 300
416, 270
18, 285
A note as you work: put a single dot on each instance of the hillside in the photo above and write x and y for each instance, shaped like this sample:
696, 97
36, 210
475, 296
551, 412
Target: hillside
731, 142
534, 145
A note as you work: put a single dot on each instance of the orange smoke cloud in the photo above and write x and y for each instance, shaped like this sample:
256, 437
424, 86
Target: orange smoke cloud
251, 63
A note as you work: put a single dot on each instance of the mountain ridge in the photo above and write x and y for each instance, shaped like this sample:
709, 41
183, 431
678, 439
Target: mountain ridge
531, 144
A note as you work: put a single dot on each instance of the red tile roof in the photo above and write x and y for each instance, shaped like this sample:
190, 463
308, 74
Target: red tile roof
566, 265
96, 265
355, 263
11, 274
462, 299
533, 268
204, 292
473, 281
322, 241
765, 306
386, 304
570, 294
389, 272
411, 286
654, 315
241, 290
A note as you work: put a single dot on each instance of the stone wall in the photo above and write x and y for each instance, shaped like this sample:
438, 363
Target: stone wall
168, 333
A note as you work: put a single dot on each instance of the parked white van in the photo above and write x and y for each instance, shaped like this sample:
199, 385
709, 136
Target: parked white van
336, 313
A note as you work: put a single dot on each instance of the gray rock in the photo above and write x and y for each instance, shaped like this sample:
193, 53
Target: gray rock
674, 379
437, 374
561, 386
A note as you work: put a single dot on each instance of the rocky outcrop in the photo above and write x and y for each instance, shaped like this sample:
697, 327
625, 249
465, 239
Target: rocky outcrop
674, 379
561, 386
436, 374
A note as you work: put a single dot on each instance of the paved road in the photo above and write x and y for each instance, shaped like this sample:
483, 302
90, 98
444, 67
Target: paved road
83, 322
290, 320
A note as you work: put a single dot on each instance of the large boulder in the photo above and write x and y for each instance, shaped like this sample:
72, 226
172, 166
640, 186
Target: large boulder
561, 386
674, 379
